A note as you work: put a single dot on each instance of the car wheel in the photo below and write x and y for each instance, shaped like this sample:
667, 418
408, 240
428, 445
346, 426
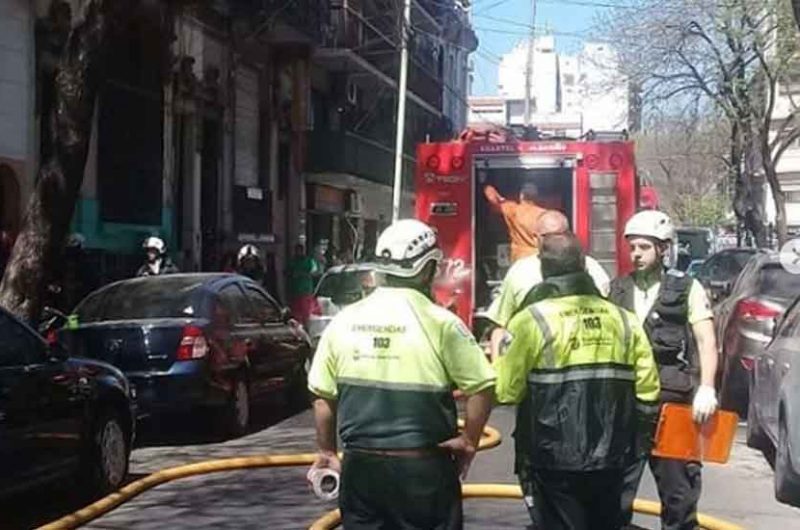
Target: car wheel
787, 481
106, 464
298, 389
756, 437
236, 415
727, 397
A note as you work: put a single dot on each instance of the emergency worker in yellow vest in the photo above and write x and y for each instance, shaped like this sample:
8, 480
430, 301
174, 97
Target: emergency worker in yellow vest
583, 374
385, 369
677, 317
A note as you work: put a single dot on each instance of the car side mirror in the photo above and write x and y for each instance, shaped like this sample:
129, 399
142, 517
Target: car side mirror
286, 314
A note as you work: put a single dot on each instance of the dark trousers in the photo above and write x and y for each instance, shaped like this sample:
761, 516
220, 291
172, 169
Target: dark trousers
400, 493
679, 485
569, 500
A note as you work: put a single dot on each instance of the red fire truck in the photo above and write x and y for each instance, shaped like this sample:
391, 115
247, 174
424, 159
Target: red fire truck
593, 182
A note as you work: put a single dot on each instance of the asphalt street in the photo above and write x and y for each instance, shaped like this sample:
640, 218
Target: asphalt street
740, 491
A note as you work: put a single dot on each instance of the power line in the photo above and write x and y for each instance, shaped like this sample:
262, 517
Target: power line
524, 34
587, 3
498, 3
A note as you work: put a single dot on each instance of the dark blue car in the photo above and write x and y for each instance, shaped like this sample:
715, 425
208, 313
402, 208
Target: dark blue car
60, 417
194, 343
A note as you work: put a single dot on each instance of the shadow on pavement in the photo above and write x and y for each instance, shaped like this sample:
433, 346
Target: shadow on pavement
166, 442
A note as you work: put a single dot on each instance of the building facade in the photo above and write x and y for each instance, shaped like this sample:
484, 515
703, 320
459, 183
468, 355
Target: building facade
232, 122
17, 102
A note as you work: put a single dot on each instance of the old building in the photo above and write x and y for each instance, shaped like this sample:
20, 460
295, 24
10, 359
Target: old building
231, 122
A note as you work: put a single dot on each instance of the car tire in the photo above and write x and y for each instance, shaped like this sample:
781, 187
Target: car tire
236, 414
298, 388
106, 460
728, 400
756, 437
787, 480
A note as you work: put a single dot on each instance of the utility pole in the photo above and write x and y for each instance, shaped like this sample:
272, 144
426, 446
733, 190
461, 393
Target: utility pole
529, 65
402, 85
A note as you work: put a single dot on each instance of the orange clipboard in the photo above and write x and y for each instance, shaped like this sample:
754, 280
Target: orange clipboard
679, 437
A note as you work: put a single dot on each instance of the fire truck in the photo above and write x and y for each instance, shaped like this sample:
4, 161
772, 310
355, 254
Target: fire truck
593, 181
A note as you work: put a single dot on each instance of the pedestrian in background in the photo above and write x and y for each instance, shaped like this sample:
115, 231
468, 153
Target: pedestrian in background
583, 375
302, 271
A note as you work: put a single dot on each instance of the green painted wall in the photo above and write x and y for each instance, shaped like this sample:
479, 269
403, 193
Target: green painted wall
119, 238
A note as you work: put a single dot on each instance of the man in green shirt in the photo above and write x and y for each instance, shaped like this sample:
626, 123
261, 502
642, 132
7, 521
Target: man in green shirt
303, 270
384, 372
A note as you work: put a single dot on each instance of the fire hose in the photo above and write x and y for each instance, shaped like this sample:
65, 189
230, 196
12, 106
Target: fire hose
333, 518
491, 438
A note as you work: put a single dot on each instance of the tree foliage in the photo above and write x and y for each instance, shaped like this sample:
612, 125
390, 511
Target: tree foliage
737, 55
684, 156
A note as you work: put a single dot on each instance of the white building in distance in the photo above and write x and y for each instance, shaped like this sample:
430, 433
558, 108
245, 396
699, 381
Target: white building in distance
570, 94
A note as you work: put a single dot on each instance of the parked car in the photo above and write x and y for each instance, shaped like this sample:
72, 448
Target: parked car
719, 272
59, 415
745, 320
339, 287
773, 421
195, 342
694, 267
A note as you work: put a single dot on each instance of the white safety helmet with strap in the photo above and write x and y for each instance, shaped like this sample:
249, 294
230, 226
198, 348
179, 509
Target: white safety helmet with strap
155, 243
651, 223
248, 251
406, 247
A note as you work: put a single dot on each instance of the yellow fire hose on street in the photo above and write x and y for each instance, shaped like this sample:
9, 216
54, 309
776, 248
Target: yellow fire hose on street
491, 438
333, 518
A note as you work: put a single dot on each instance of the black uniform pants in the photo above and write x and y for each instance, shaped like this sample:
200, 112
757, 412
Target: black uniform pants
569, 500
400, 493
679, 485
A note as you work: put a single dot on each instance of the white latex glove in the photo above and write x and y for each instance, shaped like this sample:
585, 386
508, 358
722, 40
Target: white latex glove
705, 404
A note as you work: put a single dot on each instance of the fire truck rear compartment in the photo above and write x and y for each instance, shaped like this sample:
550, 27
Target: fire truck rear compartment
492, 245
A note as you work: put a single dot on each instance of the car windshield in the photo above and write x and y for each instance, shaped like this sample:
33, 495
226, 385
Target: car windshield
346, 287
166, 297
774, 280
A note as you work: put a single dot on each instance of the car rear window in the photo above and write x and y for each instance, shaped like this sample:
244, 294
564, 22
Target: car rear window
345, 284
774, 280
139, 300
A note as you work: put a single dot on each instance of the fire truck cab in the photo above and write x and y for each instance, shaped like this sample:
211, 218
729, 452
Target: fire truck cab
593, 182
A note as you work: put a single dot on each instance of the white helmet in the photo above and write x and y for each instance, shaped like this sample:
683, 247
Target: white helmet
248, 250
76, 240
406, 247
155, 243
651, 223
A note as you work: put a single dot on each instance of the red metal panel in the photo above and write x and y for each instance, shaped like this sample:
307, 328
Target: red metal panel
444, 201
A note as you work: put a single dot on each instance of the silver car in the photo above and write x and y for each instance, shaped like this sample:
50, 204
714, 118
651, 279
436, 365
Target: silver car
745, 320
341, 286
773, 422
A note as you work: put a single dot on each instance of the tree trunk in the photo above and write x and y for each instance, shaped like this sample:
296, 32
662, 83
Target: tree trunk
60, 175
779, 200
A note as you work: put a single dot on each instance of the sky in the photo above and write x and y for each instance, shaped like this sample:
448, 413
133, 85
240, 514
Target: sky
569, 21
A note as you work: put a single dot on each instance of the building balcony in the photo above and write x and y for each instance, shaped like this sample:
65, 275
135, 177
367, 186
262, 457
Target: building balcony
356, 43
352, 154
281, 22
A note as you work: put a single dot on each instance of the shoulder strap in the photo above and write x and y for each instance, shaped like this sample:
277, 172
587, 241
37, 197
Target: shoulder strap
621, 291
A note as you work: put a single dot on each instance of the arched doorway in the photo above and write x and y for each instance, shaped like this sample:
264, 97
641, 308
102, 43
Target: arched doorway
9, 200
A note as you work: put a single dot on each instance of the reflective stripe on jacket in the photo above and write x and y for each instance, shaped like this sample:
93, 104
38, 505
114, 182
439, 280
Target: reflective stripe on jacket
584, 374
